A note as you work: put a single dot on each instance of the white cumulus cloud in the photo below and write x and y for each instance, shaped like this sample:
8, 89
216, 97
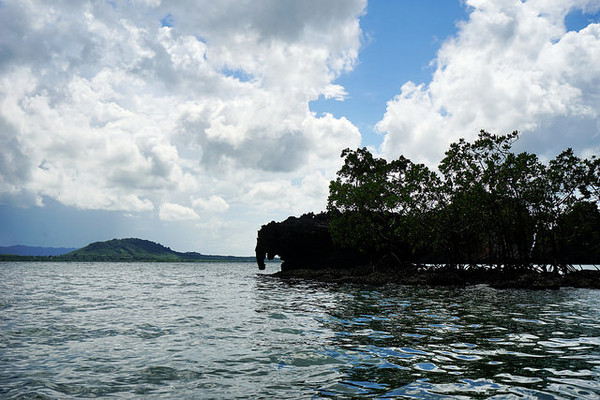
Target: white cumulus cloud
512, 66
105, 105
176, 212
212, 204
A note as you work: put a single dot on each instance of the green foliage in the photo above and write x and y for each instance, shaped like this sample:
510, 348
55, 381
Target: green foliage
497, 194
591, 189
379, 207
486, 205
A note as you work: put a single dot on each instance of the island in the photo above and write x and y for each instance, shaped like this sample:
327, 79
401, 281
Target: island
128, 250
487, 215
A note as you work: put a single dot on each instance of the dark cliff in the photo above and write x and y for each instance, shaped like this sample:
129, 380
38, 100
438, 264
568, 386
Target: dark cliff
303, 243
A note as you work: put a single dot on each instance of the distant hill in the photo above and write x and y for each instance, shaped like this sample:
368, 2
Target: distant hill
125, 250
133, 249
20, 250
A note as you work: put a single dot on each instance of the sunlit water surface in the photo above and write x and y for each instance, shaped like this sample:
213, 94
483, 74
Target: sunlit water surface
81, 330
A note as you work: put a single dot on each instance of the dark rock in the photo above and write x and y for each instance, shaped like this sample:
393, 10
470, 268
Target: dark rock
303, 243
583, 279
446, 276
532, 280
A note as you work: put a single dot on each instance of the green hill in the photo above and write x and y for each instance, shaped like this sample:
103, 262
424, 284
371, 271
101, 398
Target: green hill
138, 250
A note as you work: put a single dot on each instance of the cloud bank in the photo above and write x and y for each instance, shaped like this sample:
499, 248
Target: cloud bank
512, 66
175, 108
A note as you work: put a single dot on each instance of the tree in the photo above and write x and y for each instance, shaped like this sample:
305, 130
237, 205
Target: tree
578, 234
488, 205
591, 187
358, 200
492, 195
565, 185
461, 220
377, 206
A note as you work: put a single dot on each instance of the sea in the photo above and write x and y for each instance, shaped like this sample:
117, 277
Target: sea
228, 331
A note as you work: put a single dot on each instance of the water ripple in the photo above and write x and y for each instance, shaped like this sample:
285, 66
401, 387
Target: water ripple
85, 330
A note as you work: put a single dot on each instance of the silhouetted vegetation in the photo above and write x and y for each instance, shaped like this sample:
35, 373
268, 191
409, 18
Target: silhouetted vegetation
484, 205
487, 215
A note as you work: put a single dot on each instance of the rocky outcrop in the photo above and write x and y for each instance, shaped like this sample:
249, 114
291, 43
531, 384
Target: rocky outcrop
303, 243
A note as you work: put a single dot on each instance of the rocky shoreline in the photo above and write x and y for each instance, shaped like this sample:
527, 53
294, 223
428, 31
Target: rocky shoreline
308, 252
448, 276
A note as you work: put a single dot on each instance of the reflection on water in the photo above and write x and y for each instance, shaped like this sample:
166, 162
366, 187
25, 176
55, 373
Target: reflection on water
434, 342
224, 331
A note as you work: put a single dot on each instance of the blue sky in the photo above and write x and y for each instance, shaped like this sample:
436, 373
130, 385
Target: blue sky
192, 123
401, 41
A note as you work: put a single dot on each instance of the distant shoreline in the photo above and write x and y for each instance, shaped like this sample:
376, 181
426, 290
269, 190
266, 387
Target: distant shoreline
127, 250
15, 258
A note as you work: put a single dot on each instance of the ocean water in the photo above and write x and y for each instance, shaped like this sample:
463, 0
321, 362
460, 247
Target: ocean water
224, 330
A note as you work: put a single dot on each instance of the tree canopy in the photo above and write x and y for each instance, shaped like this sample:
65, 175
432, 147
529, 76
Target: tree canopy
485, 204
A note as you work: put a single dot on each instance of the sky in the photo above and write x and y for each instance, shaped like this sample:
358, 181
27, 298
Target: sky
193, 122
